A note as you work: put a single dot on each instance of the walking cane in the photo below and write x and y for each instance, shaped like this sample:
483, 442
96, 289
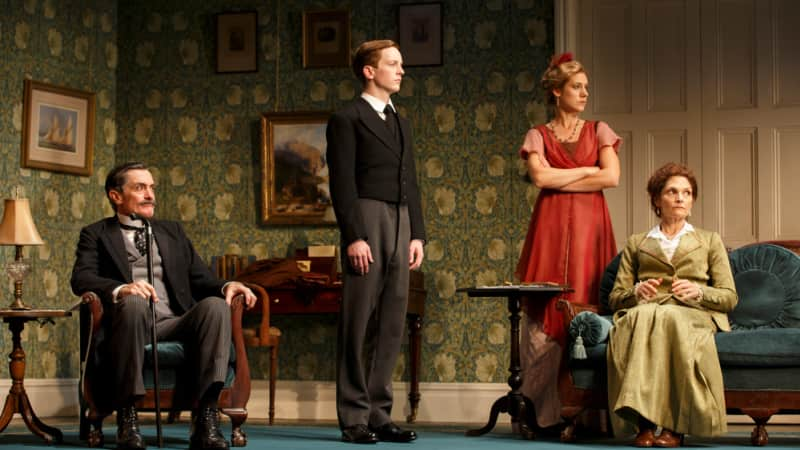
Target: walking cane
153, 338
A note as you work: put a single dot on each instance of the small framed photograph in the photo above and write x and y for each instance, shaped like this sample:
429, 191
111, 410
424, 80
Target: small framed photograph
236, 42
419, 28
295, 187
57, 129
326, 38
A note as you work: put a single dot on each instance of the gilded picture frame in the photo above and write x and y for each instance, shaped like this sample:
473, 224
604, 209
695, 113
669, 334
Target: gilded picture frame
58, 128
295, 186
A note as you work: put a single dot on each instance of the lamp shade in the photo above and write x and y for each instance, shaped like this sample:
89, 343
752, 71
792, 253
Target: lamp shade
17, 227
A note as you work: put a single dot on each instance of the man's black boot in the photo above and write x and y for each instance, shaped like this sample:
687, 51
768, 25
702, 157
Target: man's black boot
205, 431
128, 435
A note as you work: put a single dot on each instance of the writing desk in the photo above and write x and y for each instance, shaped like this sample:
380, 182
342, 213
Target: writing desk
519, 407
325, 299
17, 399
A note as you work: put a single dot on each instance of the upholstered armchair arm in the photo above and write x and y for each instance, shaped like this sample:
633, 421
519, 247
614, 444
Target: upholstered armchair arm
263, 301
91, 319
570, 310
240, 391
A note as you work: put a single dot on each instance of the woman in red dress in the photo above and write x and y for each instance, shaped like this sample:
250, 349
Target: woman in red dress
570, 240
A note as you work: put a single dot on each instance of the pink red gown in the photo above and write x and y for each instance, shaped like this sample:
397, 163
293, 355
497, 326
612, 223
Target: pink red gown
569, 241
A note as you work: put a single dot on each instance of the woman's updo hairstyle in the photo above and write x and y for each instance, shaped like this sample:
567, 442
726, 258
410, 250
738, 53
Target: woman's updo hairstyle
562, 67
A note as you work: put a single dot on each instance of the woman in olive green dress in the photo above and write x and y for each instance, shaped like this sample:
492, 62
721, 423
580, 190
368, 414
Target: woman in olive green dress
673, 290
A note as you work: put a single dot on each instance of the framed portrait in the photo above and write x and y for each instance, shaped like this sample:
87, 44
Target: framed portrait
326, 38
57, 129
419, 27
295, 187
236, 42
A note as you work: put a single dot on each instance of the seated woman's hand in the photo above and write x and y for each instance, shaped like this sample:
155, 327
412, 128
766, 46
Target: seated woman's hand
646, 289
686, 291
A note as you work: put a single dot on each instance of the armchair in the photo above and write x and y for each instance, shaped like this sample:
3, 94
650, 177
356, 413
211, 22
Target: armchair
93, 410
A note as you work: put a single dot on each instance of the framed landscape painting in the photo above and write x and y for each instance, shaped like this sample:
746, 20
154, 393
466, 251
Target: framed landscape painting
294, 170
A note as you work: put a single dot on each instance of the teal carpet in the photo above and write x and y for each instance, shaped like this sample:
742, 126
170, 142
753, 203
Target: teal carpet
326, 436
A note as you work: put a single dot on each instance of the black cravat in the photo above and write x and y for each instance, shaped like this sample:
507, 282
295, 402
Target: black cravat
391, 120
139, 238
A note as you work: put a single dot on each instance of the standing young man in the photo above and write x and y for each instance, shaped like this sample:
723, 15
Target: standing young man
377, 203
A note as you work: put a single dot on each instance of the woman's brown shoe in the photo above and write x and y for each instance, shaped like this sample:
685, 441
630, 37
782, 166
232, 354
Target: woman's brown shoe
645, 438
669, 439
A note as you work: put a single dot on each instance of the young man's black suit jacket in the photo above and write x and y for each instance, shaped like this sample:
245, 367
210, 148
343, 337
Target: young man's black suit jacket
366, 161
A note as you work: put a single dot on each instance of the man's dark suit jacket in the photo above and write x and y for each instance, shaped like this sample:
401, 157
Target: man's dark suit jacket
366, 161
101, 264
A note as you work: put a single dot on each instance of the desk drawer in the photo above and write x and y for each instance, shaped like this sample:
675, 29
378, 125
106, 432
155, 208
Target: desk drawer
289, 301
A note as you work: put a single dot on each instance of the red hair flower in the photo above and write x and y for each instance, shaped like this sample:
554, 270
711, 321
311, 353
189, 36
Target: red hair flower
560, 59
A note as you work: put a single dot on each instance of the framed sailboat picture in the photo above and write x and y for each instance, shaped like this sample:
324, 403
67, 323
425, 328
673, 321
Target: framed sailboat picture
57, 129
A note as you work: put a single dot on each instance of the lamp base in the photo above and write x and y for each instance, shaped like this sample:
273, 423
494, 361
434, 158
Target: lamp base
17, 304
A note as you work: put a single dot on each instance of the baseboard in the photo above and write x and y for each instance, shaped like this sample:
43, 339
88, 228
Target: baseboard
49, 397
441, 402
467, 403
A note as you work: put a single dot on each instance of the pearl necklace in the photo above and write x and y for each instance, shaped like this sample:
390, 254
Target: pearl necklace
552, 127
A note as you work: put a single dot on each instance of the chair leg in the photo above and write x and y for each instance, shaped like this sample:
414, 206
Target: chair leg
174, 416
94, 429
273, 374
83, 434
238, 416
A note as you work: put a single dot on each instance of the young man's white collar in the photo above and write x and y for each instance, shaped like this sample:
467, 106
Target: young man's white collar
377, 104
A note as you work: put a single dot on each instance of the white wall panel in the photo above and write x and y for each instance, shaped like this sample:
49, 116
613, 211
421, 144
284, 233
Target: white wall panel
667, 146
735, 70
620, 199
737, 165
610, 82
788, 182
786, 16
666, 55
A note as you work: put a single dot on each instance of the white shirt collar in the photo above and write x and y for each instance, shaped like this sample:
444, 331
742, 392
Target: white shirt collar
126, 220
376, 103
656, 232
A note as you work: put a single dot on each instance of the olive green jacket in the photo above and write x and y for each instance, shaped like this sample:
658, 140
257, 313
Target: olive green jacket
700, 257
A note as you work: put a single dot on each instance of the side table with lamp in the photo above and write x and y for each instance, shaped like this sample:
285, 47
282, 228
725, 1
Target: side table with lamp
17, 229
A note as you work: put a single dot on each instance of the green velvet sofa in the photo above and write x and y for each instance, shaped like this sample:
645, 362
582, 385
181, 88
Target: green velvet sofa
760, 357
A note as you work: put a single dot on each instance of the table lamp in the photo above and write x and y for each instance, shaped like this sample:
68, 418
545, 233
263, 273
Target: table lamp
18, 229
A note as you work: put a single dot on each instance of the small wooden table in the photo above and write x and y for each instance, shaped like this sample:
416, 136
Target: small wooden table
17, 400
519, 407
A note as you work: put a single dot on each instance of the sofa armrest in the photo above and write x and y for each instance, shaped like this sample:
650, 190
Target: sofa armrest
570, 310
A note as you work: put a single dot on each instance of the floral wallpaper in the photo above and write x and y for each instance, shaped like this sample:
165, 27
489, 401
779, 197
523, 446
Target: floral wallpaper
161, 101
73, 44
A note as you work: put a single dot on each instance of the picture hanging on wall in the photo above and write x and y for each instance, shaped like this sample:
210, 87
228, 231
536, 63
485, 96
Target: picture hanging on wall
295, 188
236, 42
419, 28
58, 128
326, 38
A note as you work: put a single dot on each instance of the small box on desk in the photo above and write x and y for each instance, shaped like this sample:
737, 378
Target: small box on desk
323, 259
